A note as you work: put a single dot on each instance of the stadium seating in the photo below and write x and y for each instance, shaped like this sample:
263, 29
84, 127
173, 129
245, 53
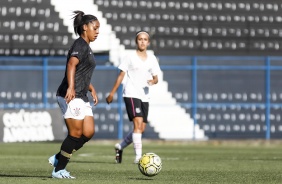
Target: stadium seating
198, 27
177, 27
32, 27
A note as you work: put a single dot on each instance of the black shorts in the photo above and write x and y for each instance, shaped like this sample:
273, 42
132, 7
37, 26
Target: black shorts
136, 108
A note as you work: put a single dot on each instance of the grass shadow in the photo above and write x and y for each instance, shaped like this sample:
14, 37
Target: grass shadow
23, 176
92, 162
144, 179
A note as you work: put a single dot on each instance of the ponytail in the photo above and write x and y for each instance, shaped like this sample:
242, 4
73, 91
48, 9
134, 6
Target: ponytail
79, 19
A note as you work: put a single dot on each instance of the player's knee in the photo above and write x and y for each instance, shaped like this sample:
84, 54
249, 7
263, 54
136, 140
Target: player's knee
89, 132
137, 129
76, 133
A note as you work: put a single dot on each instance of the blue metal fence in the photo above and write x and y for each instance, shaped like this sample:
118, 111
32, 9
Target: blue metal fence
193, 66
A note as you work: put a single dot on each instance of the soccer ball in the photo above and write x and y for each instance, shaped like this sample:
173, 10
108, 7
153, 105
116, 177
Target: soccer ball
150, 164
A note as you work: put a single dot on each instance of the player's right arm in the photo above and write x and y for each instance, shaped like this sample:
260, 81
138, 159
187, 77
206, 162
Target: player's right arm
71, 67
119, 79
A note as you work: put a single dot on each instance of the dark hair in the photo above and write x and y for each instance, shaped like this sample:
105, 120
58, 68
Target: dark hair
137, 33
79, 19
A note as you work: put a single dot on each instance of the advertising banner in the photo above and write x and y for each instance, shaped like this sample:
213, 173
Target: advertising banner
22, 125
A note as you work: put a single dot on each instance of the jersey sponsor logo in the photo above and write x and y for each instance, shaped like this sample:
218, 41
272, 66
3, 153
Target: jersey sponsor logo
74, 53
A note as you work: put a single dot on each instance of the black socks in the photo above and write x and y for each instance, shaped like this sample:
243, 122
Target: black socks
66, 151
70, 145
82, 140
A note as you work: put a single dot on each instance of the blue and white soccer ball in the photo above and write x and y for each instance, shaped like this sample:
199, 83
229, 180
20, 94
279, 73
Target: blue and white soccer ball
150, 164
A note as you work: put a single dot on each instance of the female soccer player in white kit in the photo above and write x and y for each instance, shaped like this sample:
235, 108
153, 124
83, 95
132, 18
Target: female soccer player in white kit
141, 70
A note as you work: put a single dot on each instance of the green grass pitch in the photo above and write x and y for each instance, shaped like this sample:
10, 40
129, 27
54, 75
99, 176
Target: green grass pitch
196, 162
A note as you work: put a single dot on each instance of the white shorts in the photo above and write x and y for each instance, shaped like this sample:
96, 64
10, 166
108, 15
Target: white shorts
75, 109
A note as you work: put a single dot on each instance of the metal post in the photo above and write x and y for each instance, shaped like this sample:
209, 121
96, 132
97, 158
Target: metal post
267, 97
194, 93
45, 82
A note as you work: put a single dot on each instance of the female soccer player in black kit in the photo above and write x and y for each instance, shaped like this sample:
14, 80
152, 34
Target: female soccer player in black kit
72, 93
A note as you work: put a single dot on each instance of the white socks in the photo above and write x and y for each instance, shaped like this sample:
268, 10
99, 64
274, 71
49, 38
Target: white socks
136, 138
137, 143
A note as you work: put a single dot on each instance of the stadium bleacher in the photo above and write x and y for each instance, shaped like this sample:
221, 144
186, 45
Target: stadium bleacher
177, 27
199, 27
32, 27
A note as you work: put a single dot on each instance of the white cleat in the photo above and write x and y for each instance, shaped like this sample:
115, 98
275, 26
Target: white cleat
136, 161
61, 174
53, 161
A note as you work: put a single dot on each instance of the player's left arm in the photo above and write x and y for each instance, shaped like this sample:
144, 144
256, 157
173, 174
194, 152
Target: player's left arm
153, 81
154, 72
93, 94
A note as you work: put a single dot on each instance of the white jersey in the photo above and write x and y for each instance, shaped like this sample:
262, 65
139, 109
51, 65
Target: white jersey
138, 72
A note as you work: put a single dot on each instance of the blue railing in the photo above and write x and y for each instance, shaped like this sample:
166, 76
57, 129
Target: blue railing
45, 68
194, 67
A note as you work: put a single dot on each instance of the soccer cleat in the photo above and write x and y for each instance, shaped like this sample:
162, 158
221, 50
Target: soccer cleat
136, 161
62, 174
118, 153
53, 161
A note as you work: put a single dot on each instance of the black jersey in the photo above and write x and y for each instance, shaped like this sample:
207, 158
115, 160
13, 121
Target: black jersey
84, 69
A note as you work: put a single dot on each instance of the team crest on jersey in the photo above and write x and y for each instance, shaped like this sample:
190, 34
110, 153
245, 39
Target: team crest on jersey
76, 111
137, 110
